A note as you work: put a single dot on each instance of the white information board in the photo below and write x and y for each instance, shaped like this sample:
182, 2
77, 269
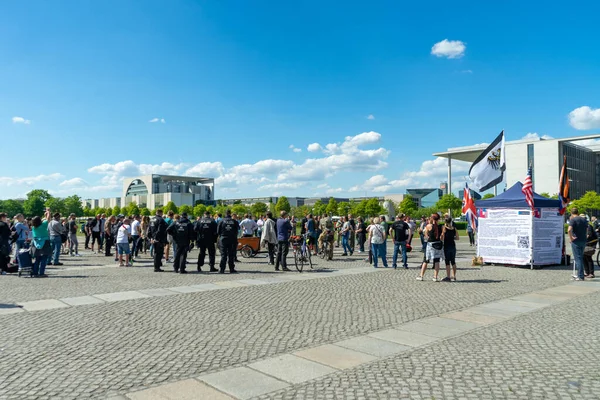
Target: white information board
548, 236
504, 235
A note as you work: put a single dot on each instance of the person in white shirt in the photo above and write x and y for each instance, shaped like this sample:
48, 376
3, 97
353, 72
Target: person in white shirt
248, 226
123, 235
260, 223
136, 231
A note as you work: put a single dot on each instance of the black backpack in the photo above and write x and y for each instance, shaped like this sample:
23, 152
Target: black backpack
114, 229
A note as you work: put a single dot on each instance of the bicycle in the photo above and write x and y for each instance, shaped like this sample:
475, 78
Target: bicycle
301, 252
326, 250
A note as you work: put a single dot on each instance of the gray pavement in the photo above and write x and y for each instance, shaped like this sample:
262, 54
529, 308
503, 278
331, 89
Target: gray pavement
99, 349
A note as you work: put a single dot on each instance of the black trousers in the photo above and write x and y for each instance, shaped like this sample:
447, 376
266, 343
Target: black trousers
96, 238
4, 263
271, 247
227, 250
283, 247
108, 242
210, 246
159, 252
471, 238
181, 256
87, 240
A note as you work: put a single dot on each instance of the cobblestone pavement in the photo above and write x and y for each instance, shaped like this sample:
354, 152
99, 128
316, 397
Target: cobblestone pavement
548, 354
108, 349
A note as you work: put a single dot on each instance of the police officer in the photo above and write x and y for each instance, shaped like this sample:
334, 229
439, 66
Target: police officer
182, 231
227, 230
206, 237
158, 236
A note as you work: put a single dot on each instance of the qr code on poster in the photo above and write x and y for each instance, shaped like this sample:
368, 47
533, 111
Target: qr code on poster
523, 242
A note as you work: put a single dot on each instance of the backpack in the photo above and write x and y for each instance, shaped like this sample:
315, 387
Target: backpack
114, 229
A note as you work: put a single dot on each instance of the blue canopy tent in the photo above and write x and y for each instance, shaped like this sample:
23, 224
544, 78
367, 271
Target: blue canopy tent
510, 233
514, 198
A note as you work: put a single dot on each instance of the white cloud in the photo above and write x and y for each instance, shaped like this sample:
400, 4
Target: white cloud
295, 149
334, 190
282, 186
154, 120
584, 118
74, 182
30, 180
466, 71
449, 48
535, 135
371, 117
314, 147
20, 120
206, 169
370, 184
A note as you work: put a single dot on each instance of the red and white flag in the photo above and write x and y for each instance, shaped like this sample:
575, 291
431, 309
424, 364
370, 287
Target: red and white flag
469, 208
528, 189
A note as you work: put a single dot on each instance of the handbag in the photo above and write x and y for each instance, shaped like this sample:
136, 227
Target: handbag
437, 245
589, 251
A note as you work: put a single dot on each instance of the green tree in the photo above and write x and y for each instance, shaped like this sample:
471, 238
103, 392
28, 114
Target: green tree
588, 202
116, 210
258, 209
109, 211
133, 208
343, 209
170, 206
210, 209
300, 211
199, 210
55, 205
360, 208
87, 211
318, 208
73, 205
487, 196
373, 208
11, 207
283, 204
449, 202
332, 206
145, 212
239, 209
34, 205
186, 209
407, 205
545, 194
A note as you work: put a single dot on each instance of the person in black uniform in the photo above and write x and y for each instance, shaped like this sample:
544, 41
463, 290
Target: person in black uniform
206, 237
158, 235
227, 230
182, 231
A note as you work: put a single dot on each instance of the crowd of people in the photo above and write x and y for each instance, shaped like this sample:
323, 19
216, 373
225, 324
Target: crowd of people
169, 238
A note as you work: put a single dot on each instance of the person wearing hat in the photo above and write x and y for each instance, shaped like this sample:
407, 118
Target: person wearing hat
182, 231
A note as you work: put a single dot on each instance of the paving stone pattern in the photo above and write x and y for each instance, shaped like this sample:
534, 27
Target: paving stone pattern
109, 349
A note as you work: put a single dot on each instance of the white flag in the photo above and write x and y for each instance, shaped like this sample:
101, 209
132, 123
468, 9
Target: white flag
488, 169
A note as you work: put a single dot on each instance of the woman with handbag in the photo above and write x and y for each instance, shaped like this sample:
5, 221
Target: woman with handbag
435, 247
41, 248
588, 252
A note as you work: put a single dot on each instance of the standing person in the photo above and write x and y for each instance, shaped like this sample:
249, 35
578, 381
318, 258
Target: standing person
56, 230
102, 224
260, 223
352, 237
73, 242
578, 236
269, 236
400, 233
23, 233
4, 243
41, 244
590, 249
248, 226
346, 229
206, 237
303, 222
377, 241
95, 231
449, 237
183, 233
311, 232
227, 230
169, 221
145, 239
434, 252
471, 234
338, 230
88, 232
283, 240
422, 227
136, 233
123, 235
158, 236
109, 239
326, 225
361, 230
413, 227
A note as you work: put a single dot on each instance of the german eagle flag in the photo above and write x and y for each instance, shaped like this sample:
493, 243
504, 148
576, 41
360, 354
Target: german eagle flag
563, 188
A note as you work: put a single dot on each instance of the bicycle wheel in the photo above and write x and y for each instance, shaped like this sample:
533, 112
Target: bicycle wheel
323, 252
246, 251
299, 259
598, 258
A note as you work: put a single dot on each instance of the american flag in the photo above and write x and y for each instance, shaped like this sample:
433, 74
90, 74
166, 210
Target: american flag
528, 189
469, 208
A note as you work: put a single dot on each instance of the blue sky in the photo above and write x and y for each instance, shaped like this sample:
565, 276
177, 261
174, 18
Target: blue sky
233, 84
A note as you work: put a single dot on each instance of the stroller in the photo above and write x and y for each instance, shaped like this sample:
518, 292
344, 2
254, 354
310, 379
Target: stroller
24, 260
